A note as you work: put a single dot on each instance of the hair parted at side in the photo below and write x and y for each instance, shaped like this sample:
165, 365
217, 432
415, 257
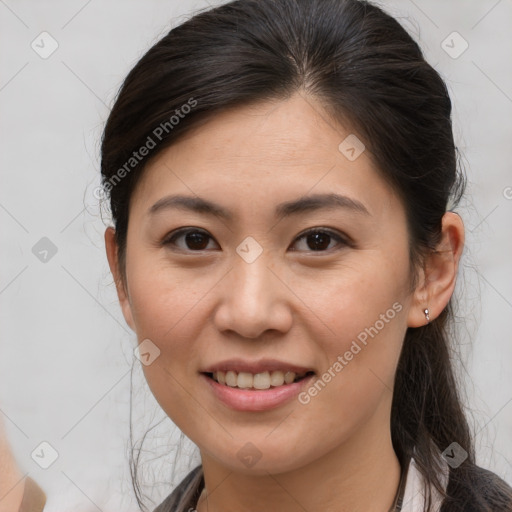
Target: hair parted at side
366, 72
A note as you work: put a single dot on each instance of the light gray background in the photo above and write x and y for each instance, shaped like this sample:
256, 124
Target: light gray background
66, 352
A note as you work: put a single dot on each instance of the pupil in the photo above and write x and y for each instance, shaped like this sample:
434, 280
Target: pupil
320, 241
194, 240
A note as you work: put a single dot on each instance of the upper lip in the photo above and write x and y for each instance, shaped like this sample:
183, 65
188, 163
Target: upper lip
263, 365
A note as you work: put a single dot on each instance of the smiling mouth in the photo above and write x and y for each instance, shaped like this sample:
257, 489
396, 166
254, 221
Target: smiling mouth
257, 381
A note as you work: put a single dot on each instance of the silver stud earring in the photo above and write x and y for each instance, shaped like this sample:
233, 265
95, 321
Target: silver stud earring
427, 315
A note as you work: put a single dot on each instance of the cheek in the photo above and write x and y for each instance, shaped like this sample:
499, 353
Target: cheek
361, 360
163, 296
171, 306
166, 310
360, 364
358, 294
362, 308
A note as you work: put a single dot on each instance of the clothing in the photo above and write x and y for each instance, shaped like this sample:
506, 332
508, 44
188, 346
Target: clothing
414, 489
184, 498
410, 498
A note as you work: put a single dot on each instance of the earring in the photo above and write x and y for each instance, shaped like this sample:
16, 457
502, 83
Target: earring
427, 315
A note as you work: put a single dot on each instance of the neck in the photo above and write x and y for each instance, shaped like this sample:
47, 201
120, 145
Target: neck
359, 475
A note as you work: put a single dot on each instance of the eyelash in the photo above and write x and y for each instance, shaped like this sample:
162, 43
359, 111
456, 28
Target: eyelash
343, 241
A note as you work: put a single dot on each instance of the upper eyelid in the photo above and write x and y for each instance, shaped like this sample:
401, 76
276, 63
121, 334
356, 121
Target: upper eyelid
320, 229
342, 237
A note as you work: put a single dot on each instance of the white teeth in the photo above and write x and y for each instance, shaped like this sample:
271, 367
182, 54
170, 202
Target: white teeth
245, 380
289, 377
277, 378
231, 379
263, 380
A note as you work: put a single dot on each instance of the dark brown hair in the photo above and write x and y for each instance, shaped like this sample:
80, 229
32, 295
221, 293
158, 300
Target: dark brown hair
368, 73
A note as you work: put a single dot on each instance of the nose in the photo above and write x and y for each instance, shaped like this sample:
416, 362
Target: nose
253, 299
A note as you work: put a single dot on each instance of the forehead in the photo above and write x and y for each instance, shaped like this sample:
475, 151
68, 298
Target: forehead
266, 152
284, 131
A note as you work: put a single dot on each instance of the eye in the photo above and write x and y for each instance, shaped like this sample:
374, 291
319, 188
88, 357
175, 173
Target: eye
194, 239
313, 240
320, 239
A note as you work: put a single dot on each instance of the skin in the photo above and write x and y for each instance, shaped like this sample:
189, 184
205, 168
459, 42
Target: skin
292, 303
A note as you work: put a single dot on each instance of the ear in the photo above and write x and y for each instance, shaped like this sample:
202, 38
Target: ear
437, 280
121, 287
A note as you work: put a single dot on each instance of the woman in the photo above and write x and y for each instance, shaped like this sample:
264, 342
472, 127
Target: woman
279, 174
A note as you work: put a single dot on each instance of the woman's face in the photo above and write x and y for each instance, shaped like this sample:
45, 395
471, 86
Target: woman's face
242, 288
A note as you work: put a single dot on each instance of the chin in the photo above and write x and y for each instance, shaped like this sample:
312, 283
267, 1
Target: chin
253, 461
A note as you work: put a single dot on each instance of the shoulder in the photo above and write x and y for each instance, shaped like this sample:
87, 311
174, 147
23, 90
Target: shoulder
185, 495
480, 491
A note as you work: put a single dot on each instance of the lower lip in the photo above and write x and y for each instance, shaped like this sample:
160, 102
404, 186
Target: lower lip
256, 400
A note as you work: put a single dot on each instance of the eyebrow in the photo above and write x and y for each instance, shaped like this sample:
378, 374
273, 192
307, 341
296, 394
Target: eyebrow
303, 205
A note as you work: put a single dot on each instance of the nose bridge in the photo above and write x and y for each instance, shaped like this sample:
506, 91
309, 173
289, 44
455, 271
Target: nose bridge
253, 282
253, 299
